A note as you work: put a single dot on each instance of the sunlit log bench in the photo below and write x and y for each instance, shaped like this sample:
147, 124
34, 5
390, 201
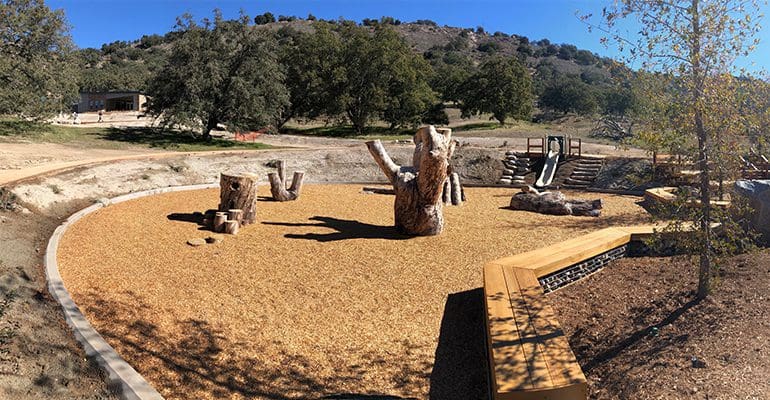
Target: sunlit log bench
529, 355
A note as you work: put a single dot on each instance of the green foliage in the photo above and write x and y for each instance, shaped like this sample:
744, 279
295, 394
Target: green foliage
220, 71
567, 52
265, 18
448, 78
502, 87
436, 115
569, 94
692, 45
618, 101
36, 74
489, 47
313, 72
381, 78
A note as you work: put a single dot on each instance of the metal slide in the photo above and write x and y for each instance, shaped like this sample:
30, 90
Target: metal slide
549, 169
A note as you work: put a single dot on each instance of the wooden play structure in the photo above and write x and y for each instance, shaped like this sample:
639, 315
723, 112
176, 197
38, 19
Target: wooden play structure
419, 189
529, 355
278, 183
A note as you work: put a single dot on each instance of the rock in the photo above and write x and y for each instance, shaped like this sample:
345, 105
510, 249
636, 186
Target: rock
505, 181
508, 172
510, 153
216, 238
758, 194
196, 242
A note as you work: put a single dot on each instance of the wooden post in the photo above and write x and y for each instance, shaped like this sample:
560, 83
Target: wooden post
231, 227
239, 192
446, 193
282, 170
418, 205
219, 221
457, 197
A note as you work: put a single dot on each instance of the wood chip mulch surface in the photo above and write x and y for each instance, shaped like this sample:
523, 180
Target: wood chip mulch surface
321, 298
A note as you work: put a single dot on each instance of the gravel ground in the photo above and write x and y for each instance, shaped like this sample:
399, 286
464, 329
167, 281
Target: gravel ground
320, 297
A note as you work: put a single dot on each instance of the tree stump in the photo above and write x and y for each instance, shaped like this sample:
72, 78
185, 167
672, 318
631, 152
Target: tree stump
235, 215
239, 192
231, 227
278, 183
218, 224
418, 204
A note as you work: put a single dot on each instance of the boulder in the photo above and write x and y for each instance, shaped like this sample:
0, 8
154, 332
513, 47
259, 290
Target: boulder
758, 194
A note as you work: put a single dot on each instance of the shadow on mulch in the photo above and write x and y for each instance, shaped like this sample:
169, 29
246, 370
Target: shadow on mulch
201, 360
460, 369
345, 229
194, 218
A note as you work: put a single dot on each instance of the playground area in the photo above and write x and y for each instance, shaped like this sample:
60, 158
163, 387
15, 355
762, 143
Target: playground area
320, 296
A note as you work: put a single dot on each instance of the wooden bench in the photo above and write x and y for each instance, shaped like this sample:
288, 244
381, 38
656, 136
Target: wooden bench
529, 355
666, 195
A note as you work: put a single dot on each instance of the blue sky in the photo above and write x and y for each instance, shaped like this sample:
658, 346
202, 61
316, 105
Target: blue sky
95, 22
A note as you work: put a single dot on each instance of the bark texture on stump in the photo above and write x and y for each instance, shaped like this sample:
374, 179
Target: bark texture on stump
218, 224
231, 227
555, 203
239, 192
419, 188
278, 186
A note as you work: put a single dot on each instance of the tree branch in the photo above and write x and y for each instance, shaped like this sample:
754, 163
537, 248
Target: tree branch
388, 167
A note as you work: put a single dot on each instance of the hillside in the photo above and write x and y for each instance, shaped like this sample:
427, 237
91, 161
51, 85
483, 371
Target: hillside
128, 65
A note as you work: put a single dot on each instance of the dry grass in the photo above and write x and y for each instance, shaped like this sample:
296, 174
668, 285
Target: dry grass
321, 296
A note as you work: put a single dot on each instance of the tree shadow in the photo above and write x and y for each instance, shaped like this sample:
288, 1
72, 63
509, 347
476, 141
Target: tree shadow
168, 139
195, 217
359, 396
460, 369
633, 338
195, 358
345, 229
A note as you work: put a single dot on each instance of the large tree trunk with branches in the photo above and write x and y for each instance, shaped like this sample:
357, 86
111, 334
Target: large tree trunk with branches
419, 188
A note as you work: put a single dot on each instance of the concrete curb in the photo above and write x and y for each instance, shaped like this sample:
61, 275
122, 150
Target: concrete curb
132, 386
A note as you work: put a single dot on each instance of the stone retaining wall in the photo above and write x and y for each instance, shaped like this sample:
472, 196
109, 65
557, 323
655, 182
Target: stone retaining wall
568, 275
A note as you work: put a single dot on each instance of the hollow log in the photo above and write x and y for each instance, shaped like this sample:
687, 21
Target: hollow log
231, 227
418, 189
218, 224
555, 203
278, 187
239, 192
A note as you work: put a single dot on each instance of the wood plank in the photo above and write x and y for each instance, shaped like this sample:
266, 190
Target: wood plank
562, 363
555, 257
508, 361
530, 342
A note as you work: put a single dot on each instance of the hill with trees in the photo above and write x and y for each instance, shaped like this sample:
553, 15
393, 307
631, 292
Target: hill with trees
404, 72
